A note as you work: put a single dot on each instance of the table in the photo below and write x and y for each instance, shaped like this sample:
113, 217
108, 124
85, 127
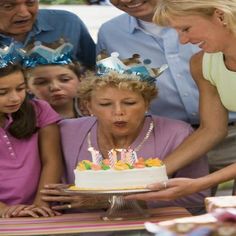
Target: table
83, 223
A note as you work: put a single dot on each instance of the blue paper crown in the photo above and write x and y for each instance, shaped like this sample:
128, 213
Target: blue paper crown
43, 55
8, 55
129, 66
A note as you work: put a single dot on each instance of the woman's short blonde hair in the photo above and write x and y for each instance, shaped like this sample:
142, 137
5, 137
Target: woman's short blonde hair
168, 8
117, 80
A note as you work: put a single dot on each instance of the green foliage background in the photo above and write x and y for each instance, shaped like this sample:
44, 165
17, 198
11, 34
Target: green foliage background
51, 2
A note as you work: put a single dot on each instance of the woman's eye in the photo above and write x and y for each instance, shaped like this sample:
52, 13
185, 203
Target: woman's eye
130, 103
105, 104
40, 82
186, 29
65, 79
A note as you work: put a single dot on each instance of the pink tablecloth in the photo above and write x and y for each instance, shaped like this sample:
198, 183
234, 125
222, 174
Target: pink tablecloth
82, 222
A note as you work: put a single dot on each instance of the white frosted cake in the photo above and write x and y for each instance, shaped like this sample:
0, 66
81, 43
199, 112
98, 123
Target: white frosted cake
121, 176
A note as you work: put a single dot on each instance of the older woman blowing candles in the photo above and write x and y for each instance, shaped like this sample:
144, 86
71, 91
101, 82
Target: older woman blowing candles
118, 104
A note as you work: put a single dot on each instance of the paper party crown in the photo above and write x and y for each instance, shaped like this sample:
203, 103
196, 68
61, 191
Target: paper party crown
43, 55
128, 66
8, 55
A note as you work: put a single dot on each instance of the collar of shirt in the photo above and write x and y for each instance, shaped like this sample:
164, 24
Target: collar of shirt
41, 25
8, 121
150, 27
147, 27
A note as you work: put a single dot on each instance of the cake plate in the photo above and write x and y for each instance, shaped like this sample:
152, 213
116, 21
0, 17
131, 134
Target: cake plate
119, 208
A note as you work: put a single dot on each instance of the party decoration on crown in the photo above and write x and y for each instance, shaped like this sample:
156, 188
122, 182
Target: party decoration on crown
131, 65
8, 55
42, 55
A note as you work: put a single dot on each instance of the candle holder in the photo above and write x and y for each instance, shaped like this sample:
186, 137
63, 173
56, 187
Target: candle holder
121, 209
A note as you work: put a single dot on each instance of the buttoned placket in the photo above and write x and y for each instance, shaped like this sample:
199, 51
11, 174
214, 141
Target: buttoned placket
173, 58
5, 137
8, 144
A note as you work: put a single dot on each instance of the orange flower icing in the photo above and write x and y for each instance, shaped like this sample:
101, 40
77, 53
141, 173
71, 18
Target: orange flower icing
119, 165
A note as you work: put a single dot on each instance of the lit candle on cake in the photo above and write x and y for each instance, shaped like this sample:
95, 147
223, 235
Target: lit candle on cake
98, 157
123, 155
112, 155
134, 156
93, 154
129, 156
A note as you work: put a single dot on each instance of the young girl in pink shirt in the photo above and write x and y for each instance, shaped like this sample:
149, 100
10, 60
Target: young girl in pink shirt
30, 155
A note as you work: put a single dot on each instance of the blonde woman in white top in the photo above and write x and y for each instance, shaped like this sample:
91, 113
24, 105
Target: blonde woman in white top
211, 24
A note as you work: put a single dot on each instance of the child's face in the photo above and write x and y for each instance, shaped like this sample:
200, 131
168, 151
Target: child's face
12, 92
55, 84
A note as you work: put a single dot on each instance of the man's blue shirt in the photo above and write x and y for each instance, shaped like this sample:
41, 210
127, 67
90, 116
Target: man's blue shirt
178, 94
51, 25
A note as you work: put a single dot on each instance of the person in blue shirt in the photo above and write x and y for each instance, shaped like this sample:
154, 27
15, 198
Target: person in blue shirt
134, 32
23, 23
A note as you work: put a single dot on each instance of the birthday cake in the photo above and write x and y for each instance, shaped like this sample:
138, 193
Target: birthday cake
119, 175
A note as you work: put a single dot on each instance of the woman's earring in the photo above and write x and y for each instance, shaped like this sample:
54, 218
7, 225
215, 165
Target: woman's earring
221, 18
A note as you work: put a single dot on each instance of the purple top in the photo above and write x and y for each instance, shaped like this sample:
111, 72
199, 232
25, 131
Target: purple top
165, 137
20, 165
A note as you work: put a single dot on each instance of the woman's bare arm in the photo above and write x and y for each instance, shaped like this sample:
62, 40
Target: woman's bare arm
213, 122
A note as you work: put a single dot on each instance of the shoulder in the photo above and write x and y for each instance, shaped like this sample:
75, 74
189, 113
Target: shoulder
77, 124
213, 67
117, 21
170, 133
44, 113
72, 122
196, 65
111, 31
41, 105
172, 125
209, 59
48, 14
196, 59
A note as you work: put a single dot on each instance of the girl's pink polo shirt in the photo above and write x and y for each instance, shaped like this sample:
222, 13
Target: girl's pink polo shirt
20, 165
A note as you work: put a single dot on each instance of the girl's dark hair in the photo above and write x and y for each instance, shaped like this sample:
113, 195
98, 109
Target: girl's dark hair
24, 120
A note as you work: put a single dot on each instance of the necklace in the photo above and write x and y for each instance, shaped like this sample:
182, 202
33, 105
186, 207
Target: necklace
136, 149
151, 126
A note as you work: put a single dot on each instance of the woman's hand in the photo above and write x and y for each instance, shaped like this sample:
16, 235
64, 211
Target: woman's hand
62, 201
27, 210
168, 190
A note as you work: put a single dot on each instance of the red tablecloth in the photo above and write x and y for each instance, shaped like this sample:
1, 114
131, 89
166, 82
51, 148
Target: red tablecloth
83, 222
